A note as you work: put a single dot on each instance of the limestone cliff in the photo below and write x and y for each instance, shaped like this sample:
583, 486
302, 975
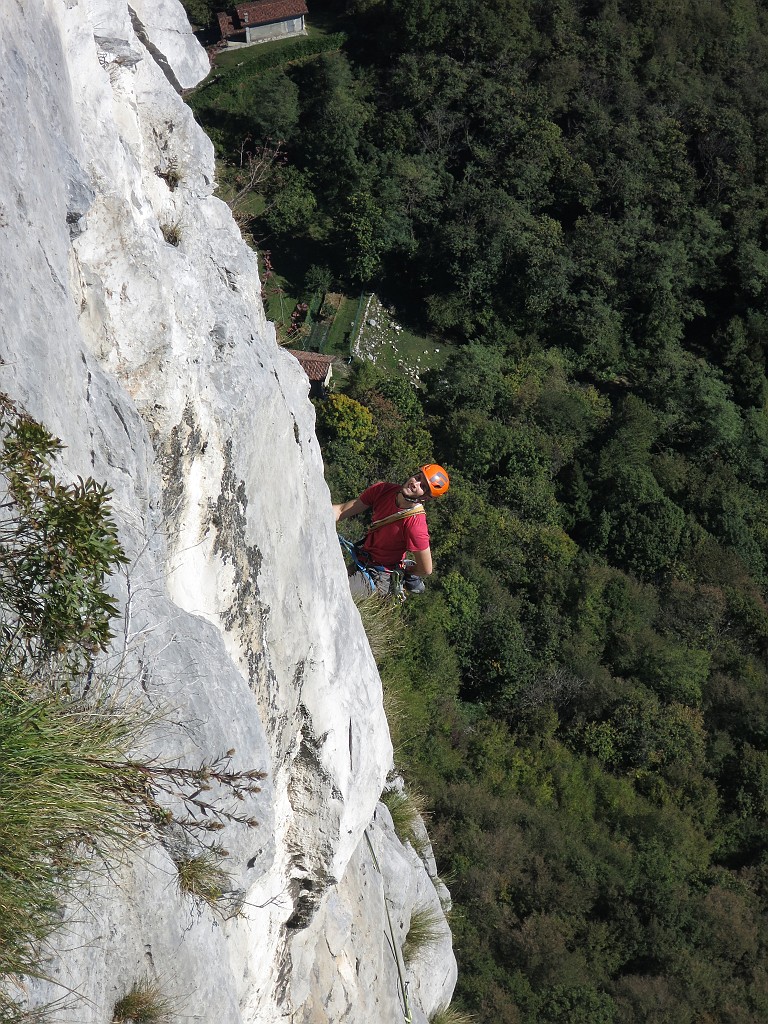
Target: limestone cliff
132, 326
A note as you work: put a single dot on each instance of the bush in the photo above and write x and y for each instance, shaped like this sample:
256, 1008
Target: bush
426, 929
58, 544
341, 418
145, 1003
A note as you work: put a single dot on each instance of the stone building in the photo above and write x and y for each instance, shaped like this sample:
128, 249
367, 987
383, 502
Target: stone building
318, 368
260, 20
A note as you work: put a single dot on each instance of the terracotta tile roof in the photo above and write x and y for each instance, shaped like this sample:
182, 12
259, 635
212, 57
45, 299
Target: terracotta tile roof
261, 12
315, 365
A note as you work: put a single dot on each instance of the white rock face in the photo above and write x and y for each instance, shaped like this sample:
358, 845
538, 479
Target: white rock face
155, 365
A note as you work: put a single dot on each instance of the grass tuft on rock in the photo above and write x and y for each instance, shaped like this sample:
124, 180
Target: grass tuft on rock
408, 810
426, 929
62, 799
452, 1015
145, 1003
202, 877
383, 625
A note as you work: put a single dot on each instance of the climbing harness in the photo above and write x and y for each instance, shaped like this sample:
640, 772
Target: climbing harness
373, 574
402, 983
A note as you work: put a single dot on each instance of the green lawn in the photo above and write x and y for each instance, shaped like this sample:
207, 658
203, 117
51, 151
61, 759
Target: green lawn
279, 301
243, 55
339, 334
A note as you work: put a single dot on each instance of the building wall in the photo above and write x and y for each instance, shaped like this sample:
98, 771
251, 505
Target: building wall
290, 27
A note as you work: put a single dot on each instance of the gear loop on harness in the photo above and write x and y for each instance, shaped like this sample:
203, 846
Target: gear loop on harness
373, 573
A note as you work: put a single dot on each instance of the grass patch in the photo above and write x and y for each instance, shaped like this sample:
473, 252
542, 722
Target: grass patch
395, 709
442, 884
202, 877
12, 1013
383, 625
279, 305
452, 1015
425, 931
382, 340
145, 1003
243, 62
340, 333
171, 233
60, 794
408, 810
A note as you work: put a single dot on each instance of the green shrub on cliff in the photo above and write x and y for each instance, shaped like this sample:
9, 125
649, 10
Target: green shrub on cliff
72, 786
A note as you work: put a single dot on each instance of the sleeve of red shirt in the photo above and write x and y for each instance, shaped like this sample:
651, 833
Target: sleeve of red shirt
416, 533
370, 494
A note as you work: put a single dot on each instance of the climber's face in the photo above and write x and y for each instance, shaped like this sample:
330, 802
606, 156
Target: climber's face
415, 487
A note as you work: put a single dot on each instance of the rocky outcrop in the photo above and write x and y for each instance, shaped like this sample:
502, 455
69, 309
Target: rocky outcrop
133, 327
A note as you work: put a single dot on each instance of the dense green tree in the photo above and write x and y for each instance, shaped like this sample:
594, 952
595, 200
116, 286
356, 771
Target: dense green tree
572, 195
272, 101
333, 115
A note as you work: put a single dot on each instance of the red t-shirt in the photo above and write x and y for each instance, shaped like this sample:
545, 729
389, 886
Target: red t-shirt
387, 545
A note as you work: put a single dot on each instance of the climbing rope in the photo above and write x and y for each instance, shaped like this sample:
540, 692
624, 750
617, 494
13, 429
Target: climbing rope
351, 550
403, 984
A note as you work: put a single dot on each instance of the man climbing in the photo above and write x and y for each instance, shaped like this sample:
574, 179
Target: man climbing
399, 525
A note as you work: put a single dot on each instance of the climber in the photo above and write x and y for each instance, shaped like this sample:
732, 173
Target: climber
399, 525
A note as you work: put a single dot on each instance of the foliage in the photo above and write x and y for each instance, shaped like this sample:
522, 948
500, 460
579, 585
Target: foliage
57, 545
425, 930
572, 198
144, 1003
201, 12
343, 419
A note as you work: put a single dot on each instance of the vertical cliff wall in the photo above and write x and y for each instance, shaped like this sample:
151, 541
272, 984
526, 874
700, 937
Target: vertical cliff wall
132, 326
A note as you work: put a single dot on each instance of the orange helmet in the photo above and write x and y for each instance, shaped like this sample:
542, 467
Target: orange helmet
437, 479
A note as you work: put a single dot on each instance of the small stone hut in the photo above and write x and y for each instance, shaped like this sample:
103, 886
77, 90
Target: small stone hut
261, 20
318, 368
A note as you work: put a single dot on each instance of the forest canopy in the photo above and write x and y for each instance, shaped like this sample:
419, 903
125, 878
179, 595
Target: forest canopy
572, 195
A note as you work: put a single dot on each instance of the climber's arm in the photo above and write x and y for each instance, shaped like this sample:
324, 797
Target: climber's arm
423, 560
349, 509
